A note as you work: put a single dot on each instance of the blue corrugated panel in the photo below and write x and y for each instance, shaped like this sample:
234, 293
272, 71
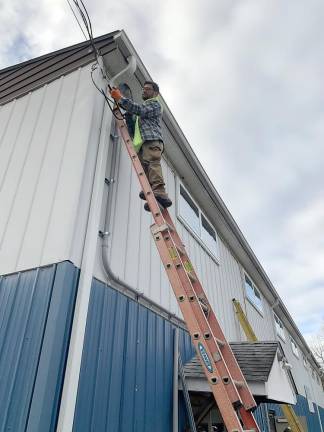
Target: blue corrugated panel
36, 308
301, 409
127, 367
261, 416
321, 412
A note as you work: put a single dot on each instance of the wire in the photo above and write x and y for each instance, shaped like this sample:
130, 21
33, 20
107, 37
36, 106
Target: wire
76, 18
87, 23
108, 101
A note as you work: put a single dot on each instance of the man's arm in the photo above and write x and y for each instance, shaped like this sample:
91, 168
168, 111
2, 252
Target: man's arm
149, 110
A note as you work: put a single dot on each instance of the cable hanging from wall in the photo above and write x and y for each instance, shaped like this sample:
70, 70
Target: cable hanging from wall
88, 34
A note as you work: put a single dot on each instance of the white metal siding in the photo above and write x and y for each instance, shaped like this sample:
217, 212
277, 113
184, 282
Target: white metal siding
44, 148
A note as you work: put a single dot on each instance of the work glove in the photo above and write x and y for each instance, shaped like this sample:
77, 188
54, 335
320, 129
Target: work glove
115, 94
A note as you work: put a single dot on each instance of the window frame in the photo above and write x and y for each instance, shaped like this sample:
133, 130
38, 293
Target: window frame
255, 288
198, 236
293, 345
279, 323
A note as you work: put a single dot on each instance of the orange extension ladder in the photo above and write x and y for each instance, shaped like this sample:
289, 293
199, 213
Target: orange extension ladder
224, 375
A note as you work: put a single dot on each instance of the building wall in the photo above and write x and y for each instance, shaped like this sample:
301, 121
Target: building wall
48, 148
48, 143
36, 310
126, 373
127, 366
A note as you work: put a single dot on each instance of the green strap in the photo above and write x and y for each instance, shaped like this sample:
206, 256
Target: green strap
138, 140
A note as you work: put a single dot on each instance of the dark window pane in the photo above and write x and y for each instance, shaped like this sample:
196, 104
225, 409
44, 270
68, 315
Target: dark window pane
189, 211
253, 294
208, 235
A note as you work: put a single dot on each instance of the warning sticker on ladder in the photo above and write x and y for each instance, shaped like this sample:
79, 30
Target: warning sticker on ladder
205, 357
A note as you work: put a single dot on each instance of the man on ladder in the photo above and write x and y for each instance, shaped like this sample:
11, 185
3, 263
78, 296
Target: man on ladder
148, 140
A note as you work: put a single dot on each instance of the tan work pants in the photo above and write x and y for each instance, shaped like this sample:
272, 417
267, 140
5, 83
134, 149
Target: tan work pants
150, 157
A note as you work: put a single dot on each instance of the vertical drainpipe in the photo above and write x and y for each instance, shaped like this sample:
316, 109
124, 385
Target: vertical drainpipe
98, 134
175, 380
319, 418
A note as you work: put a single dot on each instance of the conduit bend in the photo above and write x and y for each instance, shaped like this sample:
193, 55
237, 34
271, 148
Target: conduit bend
117, 283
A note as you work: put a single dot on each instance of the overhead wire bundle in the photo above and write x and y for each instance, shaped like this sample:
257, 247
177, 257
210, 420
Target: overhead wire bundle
88, 26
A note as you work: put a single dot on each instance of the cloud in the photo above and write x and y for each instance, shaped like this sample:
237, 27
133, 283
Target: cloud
244, 81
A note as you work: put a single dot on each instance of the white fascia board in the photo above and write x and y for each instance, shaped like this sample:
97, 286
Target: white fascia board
279, 386
201, 385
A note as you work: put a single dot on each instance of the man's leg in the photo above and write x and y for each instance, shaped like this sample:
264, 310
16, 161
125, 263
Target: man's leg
145, 168
151, 155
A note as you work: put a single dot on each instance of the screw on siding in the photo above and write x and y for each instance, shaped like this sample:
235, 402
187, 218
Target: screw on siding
109, 181
103, 234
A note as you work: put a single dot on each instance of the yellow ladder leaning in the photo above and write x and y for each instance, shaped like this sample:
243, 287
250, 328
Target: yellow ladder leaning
227, 383
287, 410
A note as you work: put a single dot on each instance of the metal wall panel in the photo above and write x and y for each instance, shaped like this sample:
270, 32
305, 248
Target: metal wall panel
43, 154
127, 365
36, 310
301, 409
262, 323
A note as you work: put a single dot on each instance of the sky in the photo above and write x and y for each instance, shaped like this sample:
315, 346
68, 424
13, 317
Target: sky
244, 80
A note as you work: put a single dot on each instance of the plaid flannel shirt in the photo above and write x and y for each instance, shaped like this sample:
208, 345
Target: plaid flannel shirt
150, 116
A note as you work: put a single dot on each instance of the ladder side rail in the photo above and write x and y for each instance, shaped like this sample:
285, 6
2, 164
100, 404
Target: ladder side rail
287, 409
219, 391
292, 418
186, 395
246, 326
187, 295
226, 351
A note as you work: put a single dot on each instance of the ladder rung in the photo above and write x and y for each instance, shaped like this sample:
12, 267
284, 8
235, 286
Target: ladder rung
203, 306
220, 342
239, 384
192, 277
161, 228
180, 249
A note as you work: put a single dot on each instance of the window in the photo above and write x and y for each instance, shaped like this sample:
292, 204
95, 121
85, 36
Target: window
189, 211
194, 219
279, 327
208, 235
294, 347
309, 399
305, 361
253, 293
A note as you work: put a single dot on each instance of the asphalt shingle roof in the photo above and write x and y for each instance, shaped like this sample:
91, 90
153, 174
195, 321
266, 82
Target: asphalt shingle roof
254, 358
17, 80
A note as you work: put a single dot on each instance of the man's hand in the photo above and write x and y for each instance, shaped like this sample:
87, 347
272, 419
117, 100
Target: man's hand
115, 94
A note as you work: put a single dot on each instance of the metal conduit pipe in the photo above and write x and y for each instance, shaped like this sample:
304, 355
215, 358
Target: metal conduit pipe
117, 283
175, 380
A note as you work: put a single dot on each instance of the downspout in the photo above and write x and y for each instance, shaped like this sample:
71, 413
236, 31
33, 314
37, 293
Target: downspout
319, 418
98, 132
175, 381
117, 283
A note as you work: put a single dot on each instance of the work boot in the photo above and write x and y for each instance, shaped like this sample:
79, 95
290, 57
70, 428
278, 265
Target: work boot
147, 208
164, 201
142, 195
